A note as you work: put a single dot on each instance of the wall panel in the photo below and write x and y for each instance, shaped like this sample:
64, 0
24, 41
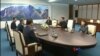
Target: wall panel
99, 12
80, 12
94, 11
84, 12
89, 11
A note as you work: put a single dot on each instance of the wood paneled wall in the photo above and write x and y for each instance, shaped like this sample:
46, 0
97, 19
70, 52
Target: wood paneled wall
89, 11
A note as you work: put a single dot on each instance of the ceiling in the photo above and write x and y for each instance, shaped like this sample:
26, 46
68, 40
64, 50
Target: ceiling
62, 1
76, 2
83, 1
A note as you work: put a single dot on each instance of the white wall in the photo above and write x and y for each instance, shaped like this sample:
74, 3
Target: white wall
59, 10
55, 10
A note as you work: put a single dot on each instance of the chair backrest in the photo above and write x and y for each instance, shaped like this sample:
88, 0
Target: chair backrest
98, 21
22, 38
6, 25
54, 23
10, 33
70, 24
18, 42
7, 30
24, 21
91, 20
17, 22
92, 29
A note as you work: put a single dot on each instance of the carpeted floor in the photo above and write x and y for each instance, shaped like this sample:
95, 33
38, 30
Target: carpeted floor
6, 51
5, 47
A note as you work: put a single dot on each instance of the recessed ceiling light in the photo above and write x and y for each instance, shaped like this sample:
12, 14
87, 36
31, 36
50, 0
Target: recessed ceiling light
52, 0
76, 0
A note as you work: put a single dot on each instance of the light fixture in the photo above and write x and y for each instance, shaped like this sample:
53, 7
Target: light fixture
52, 0
76, 0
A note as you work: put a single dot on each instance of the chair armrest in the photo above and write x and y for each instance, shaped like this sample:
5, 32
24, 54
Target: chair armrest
32, 48
32, 44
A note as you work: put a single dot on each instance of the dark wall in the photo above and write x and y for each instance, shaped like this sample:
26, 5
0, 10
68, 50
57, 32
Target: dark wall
70, 11
76, 13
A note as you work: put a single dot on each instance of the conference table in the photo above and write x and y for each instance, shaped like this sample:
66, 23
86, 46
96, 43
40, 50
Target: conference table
60, 37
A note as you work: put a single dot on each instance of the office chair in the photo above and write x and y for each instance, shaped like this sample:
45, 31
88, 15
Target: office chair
70, 25
54, 23
92, 29
10, 37
31, 49
98, 21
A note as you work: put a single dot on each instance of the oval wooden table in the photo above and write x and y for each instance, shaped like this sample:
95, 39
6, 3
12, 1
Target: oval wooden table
64, 39
75, 39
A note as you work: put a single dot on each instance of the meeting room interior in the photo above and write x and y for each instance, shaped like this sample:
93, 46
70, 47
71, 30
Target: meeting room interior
50, 28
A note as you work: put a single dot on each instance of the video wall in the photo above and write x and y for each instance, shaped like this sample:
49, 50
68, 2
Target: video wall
23, 11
